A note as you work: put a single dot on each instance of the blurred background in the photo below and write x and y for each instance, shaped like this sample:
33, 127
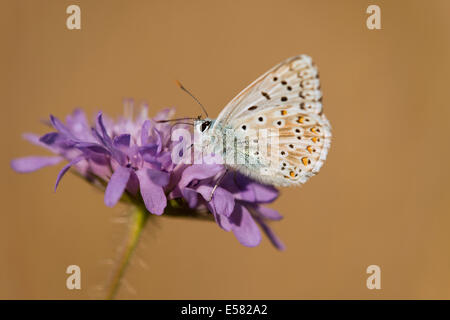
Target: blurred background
381, 198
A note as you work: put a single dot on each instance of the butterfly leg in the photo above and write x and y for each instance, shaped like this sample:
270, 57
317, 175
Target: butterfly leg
217, 184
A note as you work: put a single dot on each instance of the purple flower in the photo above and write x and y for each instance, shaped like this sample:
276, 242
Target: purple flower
132, 156
237, 202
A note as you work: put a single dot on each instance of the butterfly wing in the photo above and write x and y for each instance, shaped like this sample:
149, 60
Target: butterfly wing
288, 99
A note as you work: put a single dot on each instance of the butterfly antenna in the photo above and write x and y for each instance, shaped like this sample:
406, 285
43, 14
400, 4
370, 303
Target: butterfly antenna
178, 123
178, 119
196, 100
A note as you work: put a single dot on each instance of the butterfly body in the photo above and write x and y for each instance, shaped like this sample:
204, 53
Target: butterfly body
274, 130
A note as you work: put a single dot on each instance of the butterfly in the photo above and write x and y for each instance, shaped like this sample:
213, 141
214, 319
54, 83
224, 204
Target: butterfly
286, 100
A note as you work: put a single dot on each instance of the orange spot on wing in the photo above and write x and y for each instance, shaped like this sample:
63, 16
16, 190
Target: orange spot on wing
305, 161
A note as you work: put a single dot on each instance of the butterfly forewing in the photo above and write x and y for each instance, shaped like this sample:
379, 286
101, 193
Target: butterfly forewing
287, 102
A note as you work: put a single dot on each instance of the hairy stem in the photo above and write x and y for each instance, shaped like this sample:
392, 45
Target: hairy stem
138, 220
175, 208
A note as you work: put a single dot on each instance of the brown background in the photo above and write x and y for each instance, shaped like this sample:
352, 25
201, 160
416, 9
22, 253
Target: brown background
382, 197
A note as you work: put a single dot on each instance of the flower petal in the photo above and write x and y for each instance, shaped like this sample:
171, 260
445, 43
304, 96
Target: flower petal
149, 134
244, 227
92, 147
106, 140
66, 168
59, 126
252, 191
98, 136
49, 138
199, 172
264, 193
145, 131
159, 178
222, 221
270, 234
79, 126
165, 159
104, 133
116, 185
267, 213
153, 195
34, 139
30, 164
191, 196
164, 114
122, 141
133, 184
222, 200
148, 152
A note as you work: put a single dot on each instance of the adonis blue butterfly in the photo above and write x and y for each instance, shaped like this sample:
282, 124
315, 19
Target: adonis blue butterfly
286, 100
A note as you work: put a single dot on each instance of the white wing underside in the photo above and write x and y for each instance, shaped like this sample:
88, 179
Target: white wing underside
288, 99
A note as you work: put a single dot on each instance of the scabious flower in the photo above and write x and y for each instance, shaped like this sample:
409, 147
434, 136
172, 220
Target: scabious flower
237, 202
131, 157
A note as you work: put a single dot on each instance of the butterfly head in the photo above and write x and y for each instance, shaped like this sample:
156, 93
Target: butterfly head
203, 125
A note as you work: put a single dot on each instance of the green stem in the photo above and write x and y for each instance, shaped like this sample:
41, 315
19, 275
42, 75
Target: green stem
138, 220
176, 208
140, 215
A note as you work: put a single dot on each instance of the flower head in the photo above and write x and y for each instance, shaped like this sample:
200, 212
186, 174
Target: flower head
236, 204
132, 157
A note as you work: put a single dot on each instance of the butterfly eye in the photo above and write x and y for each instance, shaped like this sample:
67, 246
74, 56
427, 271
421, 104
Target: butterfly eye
205, 125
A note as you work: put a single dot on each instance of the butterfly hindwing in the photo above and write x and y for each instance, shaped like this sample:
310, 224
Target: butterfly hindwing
285, 101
